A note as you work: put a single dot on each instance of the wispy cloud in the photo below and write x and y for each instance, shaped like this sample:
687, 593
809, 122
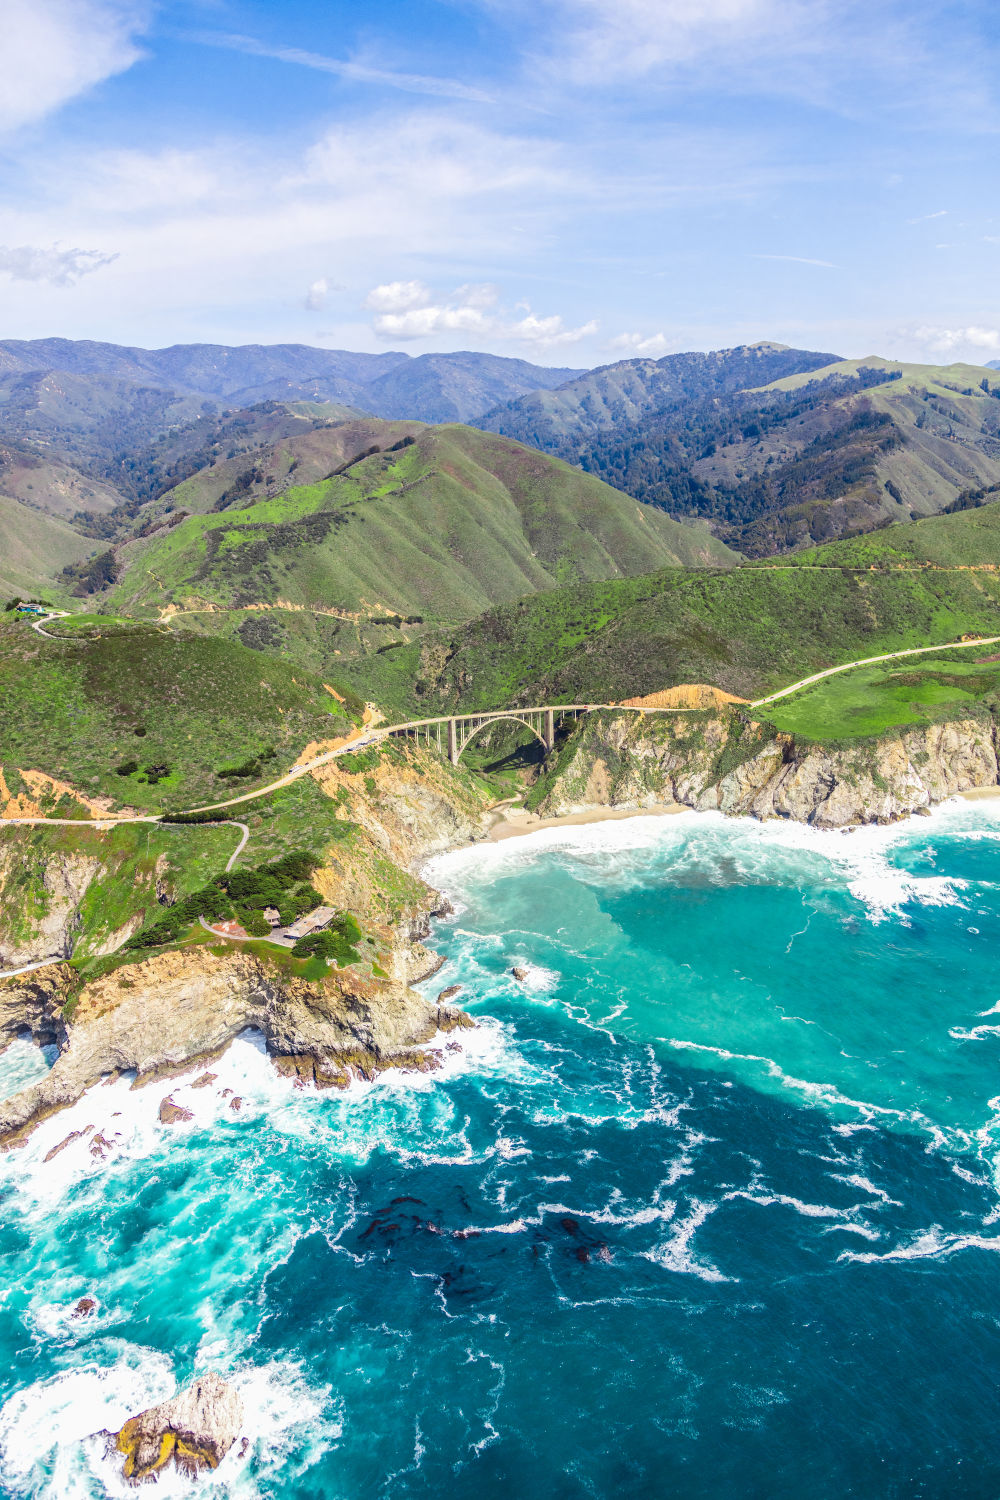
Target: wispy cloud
801, 260
409, 310
354, 72
54, 50
58, 267
942, 213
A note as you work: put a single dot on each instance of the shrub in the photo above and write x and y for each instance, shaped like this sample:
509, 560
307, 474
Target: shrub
127, 768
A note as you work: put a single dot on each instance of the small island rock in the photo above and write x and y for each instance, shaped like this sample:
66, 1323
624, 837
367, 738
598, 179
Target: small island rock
447, 994
519, 974
173, 1114
85, 1307
196, 1429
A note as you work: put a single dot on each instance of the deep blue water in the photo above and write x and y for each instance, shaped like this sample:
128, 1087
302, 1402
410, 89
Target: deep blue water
707, 1210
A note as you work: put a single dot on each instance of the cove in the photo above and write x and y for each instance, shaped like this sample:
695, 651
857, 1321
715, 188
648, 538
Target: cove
606, 1251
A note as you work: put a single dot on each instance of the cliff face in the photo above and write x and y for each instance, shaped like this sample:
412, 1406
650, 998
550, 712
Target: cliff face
66, 890
731, 763
158, 1017
39, 903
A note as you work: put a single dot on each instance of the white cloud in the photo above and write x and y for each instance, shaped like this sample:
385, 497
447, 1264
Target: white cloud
646, 345
354, 71
54, 50
942, 213
407, 310
600, 41
398, 297
801, 260
316, 297
974, 340
241, 225
58, 267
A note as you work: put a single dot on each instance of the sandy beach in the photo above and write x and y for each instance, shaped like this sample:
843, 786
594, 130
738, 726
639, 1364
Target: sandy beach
979, 793
516, 822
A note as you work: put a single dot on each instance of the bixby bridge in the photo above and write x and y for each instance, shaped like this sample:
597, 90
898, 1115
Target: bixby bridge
455, 731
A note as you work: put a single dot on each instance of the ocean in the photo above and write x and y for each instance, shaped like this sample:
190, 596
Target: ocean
706, 1206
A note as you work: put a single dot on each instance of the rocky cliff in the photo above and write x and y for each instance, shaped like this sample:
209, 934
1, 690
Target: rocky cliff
730, 762
159, 1017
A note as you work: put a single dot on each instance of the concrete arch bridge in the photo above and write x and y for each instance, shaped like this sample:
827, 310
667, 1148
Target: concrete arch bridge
453, 732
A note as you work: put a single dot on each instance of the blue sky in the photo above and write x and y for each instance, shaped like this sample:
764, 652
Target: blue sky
567, 181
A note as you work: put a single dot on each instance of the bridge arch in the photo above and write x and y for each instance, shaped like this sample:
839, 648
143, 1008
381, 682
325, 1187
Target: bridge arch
466, 735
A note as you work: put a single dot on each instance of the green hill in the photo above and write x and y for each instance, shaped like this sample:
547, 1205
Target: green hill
150, 717
750, 630
965, 538
33, 547
442, 523
634, 391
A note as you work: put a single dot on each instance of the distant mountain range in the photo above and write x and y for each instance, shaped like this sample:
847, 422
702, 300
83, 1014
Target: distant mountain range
777, 448
431, 388
766, 447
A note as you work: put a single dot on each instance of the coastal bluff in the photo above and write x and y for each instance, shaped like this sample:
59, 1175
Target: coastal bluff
161, 1017
731, 762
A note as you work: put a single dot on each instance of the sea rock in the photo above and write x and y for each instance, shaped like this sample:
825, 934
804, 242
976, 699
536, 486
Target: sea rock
74, 1135
173, 1114
519, 974
194, 1431
449, 993
85, 1308
204, 1080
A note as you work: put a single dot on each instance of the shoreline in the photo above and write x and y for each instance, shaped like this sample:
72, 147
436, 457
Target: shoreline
518, 823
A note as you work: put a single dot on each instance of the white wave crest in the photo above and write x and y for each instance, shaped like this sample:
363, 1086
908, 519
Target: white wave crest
53, 1434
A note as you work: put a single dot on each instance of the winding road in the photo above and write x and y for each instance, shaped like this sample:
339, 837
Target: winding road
370, 735
867, 661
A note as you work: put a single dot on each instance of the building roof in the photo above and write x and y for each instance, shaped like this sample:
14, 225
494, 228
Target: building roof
312, 922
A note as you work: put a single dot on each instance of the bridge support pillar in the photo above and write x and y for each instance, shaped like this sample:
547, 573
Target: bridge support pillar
550, 729
453, 742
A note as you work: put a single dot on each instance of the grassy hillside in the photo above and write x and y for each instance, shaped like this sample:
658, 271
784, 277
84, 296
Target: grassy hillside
41, 481
440, 525
870, 700
748, 631
968, 538
33, 548
149, 717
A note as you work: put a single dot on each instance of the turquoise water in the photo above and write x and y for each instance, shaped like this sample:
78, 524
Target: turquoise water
706, 1208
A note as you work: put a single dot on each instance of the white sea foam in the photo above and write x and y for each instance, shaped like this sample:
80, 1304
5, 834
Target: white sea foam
115, 1124
53, 1444
932, 1244
617, 851
43, 1428
675, 1253
22, 1063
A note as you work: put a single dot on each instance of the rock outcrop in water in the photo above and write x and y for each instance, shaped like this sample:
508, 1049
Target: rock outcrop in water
194, 1431
732, 763
157, 1018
